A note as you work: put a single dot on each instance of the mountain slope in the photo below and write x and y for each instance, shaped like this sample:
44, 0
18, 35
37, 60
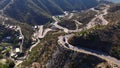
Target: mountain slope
3, 3
49, 54
40, 11
102, 38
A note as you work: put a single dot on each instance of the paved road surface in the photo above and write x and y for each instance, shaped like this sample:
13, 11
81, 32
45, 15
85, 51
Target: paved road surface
63, 41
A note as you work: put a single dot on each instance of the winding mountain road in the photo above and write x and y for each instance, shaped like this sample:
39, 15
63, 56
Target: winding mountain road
91, 24
58, 26
38, 41
41, 33
63, 41
71, 15
22, 37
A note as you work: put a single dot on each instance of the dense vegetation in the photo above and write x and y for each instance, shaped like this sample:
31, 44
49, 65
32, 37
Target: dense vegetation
8, 64
70, 24
27, 31
8, 35
5, 44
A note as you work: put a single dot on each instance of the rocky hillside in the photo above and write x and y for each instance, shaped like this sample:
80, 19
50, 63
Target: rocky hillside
48, 46
102, 38
49, 54
40, 11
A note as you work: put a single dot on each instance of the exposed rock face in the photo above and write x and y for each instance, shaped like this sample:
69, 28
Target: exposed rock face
35, 65
106, 65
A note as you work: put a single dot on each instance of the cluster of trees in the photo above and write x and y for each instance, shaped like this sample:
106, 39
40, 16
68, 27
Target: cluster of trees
27, 31
70, 24
8, 35
8, 64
